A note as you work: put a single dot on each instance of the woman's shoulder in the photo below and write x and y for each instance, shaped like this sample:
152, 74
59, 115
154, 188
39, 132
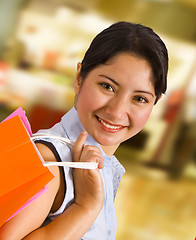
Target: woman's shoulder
48, 155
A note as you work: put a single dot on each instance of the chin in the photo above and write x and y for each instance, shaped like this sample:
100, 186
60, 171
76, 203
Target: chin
107, 142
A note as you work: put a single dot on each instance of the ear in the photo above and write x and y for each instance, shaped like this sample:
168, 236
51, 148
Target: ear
78, 80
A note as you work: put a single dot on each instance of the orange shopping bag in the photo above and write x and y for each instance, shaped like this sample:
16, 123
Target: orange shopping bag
22, 174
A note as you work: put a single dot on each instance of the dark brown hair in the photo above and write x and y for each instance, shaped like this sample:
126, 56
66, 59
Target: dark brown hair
130, 38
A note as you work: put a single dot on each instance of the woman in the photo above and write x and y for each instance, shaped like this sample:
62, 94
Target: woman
123, 74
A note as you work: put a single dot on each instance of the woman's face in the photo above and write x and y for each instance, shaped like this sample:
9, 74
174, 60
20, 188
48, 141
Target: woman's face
115, 100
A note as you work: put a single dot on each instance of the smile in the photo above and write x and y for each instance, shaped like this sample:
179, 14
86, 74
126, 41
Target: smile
107, 125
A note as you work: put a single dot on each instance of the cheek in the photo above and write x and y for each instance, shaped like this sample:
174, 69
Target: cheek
87, 101
142, 118
90, 97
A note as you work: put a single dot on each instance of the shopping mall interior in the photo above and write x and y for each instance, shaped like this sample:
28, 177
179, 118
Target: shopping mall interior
40, 45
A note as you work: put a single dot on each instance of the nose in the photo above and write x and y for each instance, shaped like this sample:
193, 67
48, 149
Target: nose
117, 108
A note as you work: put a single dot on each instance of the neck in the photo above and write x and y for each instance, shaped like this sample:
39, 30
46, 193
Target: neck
109, 150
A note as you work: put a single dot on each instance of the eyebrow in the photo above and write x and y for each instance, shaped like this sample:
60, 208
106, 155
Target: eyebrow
146, 92
109, 78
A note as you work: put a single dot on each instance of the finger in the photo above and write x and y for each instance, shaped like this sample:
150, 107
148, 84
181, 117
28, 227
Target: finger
100, 162
79, 145
92, 148
92, 154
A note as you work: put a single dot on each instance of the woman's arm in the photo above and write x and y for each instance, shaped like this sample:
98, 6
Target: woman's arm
89, 197
71, 225
77, 219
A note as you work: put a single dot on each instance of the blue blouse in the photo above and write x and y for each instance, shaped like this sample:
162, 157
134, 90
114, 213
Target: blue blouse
105, 225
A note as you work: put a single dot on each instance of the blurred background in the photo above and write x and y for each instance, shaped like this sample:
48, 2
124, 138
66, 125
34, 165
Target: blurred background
41, 42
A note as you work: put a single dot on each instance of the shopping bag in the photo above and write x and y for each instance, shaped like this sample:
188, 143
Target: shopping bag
22, 173
21, 113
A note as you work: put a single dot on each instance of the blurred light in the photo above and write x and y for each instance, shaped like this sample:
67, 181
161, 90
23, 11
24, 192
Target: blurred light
63, 15
2, 74
92, 22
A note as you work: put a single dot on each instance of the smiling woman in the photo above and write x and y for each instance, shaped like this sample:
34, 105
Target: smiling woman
120, 95
122, 76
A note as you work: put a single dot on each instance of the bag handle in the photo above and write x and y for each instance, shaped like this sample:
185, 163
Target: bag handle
69, 143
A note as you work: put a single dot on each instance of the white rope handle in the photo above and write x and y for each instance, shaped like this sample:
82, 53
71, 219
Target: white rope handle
82, 165
62, 139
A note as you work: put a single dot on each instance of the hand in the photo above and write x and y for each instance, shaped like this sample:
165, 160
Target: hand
88, 183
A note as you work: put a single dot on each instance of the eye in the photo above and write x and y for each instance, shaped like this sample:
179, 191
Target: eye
140, 99
107, 86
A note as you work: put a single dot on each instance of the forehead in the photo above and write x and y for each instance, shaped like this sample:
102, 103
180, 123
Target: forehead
129, 66
129, 58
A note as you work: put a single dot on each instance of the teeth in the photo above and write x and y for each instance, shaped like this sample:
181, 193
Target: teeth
108, 125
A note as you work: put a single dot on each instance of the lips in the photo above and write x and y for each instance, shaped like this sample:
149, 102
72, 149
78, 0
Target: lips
109, 126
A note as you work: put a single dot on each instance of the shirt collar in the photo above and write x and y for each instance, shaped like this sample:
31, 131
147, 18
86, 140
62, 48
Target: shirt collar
73, 127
